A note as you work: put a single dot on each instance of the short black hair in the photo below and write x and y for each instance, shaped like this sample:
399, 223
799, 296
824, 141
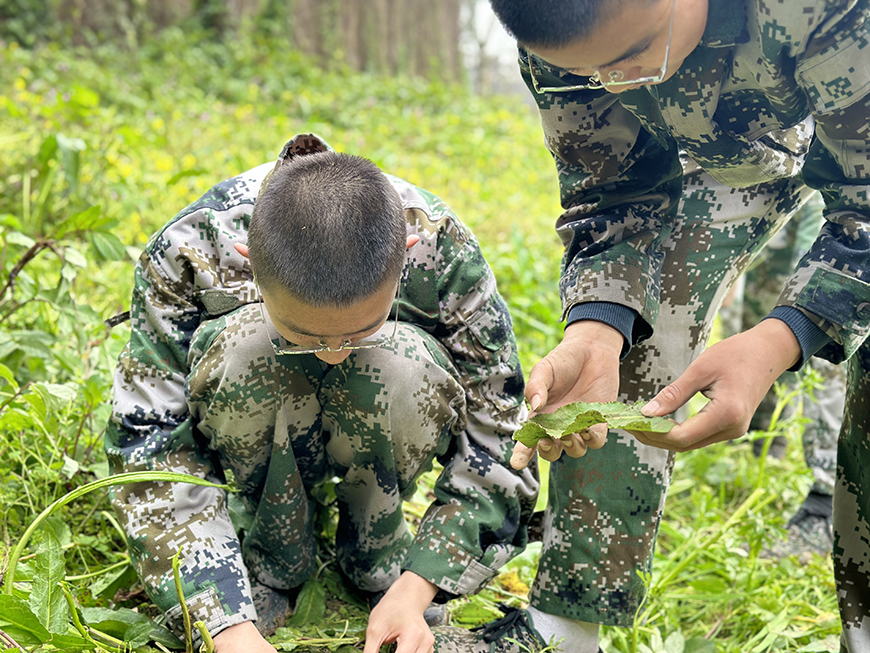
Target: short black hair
553, 23
328, 228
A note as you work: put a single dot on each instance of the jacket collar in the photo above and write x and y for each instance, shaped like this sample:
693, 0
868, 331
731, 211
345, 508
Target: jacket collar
726, 23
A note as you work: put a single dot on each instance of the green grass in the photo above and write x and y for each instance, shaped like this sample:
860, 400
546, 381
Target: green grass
140, 137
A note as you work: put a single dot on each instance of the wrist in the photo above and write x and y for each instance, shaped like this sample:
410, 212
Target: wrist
229, 638
780, 342
413, 589
598, 333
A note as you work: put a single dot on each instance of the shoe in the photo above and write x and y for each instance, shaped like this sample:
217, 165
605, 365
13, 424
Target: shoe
812, 527
273, 607
435, 614
512, 633
810, 531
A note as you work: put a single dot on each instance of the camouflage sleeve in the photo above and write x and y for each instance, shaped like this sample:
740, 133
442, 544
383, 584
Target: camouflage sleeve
619, 187
831, 285
150, 429
478, 521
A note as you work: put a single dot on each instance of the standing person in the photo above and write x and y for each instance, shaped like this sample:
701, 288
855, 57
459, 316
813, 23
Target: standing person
311, 321
685, 134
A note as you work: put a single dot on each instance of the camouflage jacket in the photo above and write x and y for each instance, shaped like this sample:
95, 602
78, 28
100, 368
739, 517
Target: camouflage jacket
190, 272
774, 89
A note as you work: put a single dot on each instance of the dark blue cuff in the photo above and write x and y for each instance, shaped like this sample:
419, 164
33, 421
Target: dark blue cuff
618, 316
810, 337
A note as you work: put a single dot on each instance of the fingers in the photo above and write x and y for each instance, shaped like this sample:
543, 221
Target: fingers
538, 386
550, 450
717, 422
671, 397
521, 456
595, 436
573, 445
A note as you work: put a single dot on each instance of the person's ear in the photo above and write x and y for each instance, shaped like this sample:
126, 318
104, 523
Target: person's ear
243, 250
411, 241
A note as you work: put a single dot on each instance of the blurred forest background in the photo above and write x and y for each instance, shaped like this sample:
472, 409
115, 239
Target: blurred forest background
456, 41
115, 114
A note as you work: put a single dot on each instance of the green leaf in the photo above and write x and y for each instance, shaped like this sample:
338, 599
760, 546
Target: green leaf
132, 627
575, 417
190, 172
70, 467
47, 150
69, 158
90, 219
701, 645
310, 604
74, 257
6, 373
108, 246
47, 600
55, 396
109, 584
71, 643
675, 643
18, 238
16, 419
59, 528
240, 515
18, 621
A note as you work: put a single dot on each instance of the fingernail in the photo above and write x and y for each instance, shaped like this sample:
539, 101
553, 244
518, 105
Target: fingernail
651, 409
544, 445
569, 442
519, 460
535, 403
586, 434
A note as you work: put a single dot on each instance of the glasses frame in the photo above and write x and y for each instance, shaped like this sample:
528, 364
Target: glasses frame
369, 342
615, 77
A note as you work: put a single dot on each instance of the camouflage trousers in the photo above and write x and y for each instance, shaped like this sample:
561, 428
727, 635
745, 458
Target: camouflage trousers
284, 427
852, 507
604, 509
752, 297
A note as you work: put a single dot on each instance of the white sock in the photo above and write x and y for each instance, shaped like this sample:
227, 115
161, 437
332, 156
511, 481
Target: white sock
576, 636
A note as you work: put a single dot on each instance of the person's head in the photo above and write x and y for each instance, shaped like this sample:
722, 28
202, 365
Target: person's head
326, 242
625, 39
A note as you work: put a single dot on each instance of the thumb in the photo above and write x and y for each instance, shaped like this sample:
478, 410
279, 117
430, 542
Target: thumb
669, 399
537, 391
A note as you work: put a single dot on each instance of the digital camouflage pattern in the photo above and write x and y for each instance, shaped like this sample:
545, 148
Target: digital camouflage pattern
604, 509
771, 104
200, 390
751, 299
852, 508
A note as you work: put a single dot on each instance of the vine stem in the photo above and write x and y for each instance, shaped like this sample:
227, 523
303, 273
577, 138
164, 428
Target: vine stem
185, 613
118, 479
10, 643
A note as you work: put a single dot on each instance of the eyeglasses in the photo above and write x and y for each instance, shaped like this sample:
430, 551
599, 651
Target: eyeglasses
377, 339
614, 77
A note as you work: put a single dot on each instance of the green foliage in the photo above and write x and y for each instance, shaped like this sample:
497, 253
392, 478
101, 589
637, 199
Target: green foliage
102, 147
575, 417
24, 21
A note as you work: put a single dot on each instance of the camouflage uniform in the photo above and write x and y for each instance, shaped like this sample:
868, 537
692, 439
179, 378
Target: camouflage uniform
752, 298
200, 390
773, 101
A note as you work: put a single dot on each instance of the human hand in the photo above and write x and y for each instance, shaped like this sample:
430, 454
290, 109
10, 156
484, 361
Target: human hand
398, 617
734, 374
583, 367
242, 638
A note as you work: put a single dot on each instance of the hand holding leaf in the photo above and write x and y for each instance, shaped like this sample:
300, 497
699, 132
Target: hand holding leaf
573, 418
